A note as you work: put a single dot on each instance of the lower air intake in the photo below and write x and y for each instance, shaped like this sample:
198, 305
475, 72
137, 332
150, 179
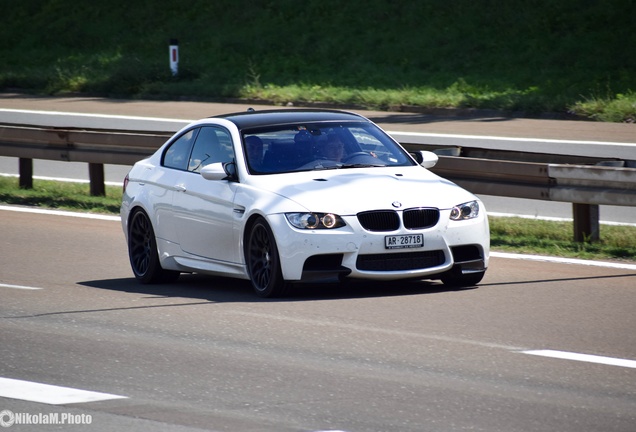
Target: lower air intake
400, 261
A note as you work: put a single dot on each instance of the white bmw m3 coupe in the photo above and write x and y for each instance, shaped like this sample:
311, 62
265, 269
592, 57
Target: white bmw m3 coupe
287, 196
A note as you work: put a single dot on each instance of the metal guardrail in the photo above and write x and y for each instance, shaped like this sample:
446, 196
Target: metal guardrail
583, 184
73, 145
586, 186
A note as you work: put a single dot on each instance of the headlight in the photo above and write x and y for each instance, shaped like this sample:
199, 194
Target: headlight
469, 210
315, 220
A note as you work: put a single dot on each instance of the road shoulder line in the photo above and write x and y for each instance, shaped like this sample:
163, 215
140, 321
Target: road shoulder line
49, 394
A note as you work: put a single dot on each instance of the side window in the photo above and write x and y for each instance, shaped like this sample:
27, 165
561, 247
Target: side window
177, 155
212, 145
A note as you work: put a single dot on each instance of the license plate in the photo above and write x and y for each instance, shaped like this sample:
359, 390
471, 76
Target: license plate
404, 241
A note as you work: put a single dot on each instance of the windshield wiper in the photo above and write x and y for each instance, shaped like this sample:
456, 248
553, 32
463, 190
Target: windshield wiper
360, 165
319, 167
337, 165
322, 167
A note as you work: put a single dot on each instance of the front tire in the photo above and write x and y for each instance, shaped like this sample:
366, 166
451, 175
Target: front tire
142, 251
263, 261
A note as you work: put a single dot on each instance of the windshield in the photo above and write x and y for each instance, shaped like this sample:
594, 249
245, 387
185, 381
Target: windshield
307, 147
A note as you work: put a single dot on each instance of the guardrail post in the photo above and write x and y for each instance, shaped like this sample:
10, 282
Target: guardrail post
96, 176
26, 173
586, 222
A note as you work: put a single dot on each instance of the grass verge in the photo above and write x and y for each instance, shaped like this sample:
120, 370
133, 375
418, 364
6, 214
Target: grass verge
507, 234
519, 235
559, 57
60, 195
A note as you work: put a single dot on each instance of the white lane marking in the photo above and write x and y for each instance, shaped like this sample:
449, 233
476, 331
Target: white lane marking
402, 333
106, 116
560, 260
422, 134
18, 287
499, 138
49, 394
612, 361
60, 213
63, 180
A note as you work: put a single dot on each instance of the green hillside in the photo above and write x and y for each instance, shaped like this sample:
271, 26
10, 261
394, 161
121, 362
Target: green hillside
533, 56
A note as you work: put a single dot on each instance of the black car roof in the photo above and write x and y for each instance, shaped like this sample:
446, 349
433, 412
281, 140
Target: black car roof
254, 119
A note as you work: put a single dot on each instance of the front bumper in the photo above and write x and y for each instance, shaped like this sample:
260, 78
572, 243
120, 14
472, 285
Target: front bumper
354, 252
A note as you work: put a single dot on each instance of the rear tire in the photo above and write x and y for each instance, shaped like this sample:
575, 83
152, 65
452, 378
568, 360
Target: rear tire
142, 251
263, 261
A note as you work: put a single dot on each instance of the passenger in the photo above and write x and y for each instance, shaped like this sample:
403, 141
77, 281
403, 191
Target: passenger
254, 149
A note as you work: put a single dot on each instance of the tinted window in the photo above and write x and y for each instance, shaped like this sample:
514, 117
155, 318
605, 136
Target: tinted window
326, 145
212, 145
178, 154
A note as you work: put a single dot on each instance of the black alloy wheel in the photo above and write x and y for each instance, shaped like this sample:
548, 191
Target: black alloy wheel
263, 261
142, 251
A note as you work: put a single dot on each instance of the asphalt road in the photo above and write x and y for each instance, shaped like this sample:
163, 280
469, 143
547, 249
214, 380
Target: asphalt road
207, 354
487, 124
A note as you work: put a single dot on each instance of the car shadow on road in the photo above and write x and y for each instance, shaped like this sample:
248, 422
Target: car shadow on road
223, 290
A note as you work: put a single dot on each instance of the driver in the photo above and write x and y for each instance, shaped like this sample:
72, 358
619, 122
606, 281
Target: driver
333, 148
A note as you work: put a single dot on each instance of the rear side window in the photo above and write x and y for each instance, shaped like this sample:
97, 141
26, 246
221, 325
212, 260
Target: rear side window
178, 154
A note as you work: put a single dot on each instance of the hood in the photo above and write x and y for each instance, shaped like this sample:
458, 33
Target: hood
349, 191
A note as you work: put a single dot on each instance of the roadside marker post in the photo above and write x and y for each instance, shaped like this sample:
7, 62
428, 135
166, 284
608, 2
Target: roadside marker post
174, 56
